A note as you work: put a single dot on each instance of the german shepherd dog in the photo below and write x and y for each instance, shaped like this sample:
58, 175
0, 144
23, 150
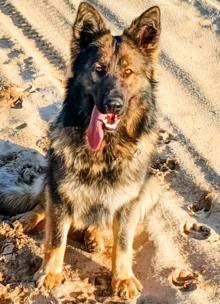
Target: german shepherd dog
101, 147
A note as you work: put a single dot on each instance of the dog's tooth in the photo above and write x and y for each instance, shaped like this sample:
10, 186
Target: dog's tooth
110, 126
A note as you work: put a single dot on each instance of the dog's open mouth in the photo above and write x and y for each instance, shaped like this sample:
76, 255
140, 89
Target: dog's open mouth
98, 124
111, 122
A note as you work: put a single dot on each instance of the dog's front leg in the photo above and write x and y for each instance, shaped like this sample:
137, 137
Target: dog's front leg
58, 223
124, 282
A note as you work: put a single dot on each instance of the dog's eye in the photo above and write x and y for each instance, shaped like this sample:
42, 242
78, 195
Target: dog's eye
128, 72
98, 68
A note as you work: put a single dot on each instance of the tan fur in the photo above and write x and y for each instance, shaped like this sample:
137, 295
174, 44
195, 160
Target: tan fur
124, 282
71, 190
108, 187
30, 219
50, 273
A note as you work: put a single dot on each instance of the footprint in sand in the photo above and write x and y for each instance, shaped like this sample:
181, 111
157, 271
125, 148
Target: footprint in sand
195, 231
185, 280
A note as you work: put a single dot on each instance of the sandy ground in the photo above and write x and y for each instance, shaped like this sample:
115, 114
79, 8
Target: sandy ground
177, 252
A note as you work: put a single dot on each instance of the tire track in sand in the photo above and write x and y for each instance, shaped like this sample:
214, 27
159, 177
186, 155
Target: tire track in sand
45, 47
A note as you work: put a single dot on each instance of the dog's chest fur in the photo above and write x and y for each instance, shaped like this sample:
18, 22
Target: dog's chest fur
96, 190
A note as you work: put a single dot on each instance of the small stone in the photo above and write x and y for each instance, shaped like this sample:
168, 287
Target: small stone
31, 88
167, 135
21, 126
4, 228
17, 104
161, 130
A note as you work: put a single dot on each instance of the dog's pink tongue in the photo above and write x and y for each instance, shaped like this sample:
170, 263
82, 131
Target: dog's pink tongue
95, 130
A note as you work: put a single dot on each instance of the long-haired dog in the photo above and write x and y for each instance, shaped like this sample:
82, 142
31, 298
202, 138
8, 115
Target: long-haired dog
101, 147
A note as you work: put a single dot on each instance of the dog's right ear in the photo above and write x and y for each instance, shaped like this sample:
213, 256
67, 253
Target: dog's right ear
87, 25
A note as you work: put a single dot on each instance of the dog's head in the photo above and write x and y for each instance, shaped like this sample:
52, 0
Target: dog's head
114, 76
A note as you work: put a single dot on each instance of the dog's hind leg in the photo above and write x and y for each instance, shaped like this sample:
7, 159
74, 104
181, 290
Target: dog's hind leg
124, 282
58, 222
93, 239
31, 218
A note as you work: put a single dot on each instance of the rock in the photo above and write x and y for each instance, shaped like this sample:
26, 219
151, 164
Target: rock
4, 228
167, 135
8, 249
21, 126
167, 141
161, 130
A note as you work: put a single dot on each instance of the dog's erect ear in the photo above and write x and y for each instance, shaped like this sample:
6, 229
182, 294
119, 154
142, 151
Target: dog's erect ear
145, 30
88, 23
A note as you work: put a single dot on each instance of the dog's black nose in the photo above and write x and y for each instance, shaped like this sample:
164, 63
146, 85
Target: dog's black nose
113, 105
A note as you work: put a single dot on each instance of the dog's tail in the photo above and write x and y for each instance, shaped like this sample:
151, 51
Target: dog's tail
22, 198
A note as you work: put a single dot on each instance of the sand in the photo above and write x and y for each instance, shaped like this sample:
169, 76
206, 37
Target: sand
177, 251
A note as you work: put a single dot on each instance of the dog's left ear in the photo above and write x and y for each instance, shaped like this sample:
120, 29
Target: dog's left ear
145, 30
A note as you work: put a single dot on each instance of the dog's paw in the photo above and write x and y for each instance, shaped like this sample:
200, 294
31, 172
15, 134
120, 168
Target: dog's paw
93, 241
26, 224
127, 288
26, 221
48, 280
